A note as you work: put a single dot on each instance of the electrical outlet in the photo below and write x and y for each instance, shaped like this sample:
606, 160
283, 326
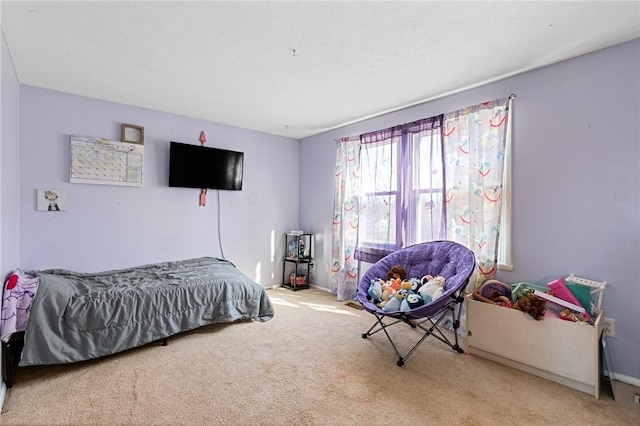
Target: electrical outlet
609, 326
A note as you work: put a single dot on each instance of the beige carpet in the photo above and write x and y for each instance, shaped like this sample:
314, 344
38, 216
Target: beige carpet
307, 366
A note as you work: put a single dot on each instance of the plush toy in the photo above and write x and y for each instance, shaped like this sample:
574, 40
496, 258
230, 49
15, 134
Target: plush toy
426, 279
415, 284
432, 289
387, 291
395, 283
406, 285
533, 305
394, 303
375, 290
397, 272
411, 301
404, 305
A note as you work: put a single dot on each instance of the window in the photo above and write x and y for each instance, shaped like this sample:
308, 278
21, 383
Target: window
401, 188
445, 177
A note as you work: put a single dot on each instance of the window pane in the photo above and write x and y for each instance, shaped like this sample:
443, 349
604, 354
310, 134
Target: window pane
429, 165
425, 218
428, 216
378, 165
378, 219
379, 184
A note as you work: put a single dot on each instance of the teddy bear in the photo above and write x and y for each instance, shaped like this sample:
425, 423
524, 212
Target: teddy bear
432, 288
533, 305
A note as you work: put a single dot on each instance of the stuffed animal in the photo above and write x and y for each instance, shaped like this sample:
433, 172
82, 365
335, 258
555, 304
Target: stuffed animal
533, 305
411, 301
432, 289
395, 283
415, 284
426, 279
375, 290
404, 306
387, 291
394, 303
397, 272
406, 285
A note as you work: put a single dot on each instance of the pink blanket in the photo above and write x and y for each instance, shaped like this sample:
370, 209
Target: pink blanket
19, 291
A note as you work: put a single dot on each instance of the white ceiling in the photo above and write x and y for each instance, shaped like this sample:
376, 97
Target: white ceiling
296, 68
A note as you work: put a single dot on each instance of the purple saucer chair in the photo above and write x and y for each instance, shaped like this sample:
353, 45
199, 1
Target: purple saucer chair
451, 260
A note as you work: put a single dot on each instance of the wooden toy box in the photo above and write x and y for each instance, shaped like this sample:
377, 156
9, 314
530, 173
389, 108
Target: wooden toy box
562, 351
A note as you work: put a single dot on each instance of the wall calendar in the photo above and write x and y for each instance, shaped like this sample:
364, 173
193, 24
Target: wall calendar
105, 162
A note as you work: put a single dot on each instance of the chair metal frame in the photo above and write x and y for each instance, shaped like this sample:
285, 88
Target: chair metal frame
432, 258
432, 328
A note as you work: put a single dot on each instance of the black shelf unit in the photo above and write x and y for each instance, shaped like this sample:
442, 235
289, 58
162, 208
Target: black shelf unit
298, 252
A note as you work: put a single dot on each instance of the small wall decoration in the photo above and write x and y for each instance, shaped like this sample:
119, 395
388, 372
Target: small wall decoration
132, 133
52, 200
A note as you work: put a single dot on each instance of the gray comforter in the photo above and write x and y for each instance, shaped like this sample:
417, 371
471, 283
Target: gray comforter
79, 316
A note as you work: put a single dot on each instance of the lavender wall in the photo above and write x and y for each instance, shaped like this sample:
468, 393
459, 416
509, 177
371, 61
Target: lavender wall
9, 171
107, 227
9, 166
575, 174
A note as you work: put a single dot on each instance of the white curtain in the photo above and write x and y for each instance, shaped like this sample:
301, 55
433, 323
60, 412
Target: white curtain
344, 266
474, 141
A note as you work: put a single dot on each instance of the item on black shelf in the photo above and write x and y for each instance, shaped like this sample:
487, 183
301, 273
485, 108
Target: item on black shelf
298, 281
292, 250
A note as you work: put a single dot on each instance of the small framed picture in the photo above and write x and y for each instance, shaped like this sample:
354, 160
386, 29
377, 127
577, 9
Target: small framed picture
52, 200
132, 134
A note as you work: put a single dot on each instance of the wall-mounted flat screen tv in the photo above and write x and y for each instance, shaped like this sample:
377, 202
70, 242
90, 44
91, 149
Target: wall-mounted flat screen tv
197, 166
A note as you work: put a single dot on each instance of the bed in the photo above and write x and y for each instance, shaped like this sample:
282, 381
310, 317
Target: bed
76, 316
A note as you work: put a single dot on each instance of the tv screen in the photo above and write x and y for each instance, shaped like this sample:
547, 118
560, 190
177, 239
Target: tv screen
197, 166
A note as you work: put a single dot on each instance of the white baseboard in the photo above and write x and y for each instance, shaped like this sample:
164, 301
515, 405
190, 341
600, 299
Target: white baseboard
634, 381
310, 285
328, 290
3, 393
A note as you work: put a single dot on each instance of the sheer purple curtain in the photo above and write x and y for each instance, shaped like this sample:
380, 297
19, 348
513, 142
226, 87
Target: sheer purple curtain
379, 194
396, 169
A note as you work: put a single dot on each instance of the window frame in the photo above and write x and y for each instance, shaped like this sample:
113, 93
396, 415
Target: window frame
404, 138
